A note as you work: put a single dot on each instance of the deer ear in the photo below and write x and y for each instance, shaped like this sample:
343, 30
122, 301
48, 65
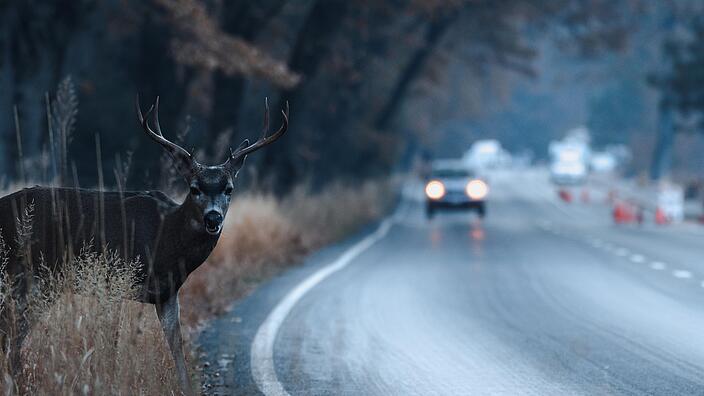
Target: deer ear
236, 163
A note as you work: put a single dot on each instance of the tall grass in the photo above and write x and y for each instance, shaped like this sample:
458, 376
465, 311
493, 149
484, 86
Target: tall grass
86, 337
264, 234
97, 342
90, 338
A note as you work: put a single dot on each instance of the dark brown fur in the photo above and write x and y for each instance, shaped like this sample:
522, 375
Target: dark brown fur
170, 240
64, 220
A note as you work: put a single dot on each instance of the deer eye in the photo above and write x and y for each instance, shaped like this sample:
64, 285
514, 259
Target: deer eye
228, 191
195, 191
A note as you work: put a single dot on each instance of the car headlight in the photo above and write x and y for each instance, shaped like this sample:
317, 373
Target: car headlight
477, 189
435, 189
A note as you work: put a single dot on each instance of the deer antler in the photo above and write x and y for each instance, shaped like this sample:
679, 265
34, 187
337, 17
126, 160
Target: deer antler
184, 160
264, 140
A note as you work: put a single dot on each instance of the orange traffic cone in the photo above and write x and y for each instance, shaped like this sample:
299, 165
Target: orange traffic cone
565, 195
624, 212
619, 213
660, 216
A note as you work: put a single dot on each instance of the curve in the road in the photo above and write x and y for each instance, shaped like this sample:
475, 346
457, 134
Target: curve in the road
262, 352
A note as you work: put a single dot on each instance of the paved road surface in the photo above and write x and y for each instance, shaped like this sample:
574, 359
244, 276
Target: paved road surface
540, 298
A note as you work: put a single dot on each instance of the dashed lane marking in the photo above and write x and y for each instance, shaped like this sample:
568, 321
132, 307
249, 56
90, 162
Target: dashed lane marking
682, 274
623, 252
637, 258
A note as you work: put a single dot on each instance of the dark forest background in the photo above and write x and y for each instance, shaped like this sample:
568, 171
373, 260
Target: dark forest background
370, 83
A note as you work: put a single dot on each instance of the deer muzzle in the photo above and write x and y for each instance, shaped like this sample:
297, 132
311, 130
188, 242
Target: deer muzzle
213, 222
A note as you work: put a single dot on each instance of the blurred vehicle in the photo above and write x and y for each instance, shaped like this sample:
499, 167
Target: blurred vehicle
621, 153
569, 161
453, 185
486, 154
670, 202
568, 172
603, 162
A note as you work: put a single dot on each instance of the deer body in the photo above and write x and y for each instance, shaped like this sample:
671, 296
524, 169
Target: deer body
66, 219
170, 240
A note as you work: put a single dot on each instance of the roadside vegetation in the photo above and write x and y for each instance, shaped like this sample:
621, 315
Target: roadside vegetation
264, 234
89, 338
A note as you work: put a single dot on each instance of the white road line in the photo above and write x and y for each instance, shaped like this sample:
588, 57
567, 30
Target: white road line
637, 258
702, 284
594, 241
682, 274
262, 353
658, 265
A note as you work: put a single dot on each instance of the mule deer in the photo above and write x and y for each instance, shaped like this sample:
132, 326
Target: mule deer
171, 240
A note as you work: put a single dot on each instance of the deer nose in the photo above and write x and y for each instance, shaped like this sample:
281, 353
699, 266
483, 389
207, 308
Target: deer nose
213, 222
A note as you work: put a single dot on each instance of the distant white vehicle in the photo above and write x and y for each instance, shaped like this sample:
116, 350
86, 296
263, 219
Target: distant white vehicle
486, 154
569, 161
603, 162
571, 172
670, 201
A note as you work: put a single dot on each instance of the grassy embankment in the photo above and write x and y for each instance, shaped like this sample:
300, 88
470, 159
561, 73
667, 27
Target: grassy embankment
90, 339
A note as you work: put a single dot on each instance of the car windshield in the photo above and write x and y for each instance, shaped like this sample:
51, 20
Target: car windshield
451, 173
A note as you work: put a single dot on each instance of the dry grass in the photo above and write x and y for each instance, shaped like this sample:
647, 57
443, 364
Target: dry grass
89, 339
80, 347
264, 235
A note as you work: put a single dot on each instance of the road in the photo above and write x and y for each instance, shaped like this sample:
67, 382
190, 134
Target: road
540, 298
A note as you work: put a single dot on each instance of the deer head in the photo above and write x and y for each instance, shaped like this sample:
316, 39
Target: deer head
210, 187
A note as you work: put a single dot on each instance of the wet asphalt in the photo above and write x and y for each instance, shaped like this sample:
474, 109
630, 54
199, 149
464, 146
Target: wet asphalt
541, 298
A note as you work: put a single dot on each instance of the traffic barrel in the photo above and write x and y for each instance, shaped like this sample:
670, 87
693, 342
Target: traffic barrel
565, 195
624, 213
660, 217
619, 213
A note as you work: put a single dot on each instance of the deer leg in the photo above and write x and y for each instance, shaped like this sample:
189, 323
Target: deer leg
21, 331
15, 327
169, 317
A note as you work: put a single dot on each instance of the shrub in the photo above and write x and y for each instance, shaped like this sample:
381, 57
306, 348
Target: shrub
87, 338
90, 338
263, 235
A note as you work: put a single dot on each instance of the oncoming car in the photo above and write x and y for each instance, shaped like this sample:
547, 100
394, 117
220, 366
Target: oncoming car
452, 185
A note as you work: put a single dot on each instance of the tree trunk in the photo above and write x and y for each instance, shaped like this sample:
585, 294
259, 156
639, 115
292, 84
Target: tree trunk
313, 44
244, 19
662, 154
433, 36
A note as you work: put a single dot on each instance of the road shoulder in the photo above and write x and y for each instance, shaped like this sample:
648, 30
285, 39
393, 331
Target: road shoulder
224, 345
